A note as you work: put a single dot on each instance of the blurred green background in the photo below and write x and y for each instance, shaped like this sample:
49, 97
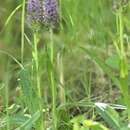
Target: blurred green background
90, 23
86, 22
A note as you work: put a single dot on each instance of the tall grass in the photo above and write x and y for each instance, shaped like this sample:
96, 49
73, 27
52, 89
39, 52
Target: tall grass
37, 76
22, 30
7, 101
123, 58
52, 81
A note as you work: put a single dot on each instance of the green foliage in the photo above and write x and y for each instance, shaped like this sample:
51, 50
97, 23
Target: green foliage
94, 125
53, 72
28, 92
113, 62
110, 116
87, 124
28, 124
103, 66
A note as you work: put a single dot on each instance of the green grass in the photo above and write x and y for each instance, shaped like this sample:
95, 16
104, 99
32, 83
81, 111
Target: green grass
76, 74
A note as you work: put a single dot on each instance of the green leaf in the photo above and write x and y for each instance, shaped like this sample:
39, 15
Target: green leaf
125, 128
113, 62
76, 122
109, 115
94, 125
77, 119
29, 95
28, 124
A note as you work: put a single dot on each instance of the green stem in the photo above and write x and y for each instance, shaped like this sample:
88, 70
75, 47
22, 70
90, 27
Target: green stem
22, 31
121, 32
7, 101
37, 66
123, 64
60, 16
61, 79
35, 55
52, 81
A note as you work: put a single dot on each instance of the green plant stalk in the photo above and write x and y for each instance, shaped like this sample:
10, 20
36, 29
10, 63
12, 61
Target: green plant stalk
87, 85
22, 30
123, 64
22, 34
52, 82
60, 16
54, 116
36, 68
61, 79
76, 126
7, 101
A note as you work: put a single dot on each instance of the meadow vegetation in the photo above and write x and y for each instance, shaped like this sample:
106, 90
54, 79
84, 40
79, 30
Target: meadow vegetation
72, 76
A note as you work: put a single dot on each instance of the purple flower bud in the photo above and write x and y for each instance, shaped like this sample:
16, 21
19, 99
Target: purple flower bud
50, 14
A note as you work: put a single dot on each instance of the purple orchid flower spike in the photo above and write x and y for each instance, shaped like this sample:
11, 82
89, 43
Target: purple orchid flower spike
33, 11
50, 14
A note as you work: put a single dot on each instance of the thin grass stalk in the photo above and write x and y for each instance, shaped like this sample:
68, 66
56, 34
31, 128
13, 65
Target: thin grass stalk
60, 14
123, 63
7, 101
121, 34
61, 79
22, 30
36, 68
7, 105
37, 65
22, 35
52, 82
87, 85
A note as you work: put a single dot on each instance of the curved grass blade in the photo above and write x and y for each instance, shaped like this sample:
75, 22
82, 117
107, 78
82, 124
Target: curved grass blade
103, 66
81, 104
11, 15
28, 124
6, 53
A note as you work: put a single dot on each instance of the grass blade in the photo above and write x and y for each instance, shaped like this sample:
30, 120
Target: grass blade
109, 115
28, 124
103, 66
12, 14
